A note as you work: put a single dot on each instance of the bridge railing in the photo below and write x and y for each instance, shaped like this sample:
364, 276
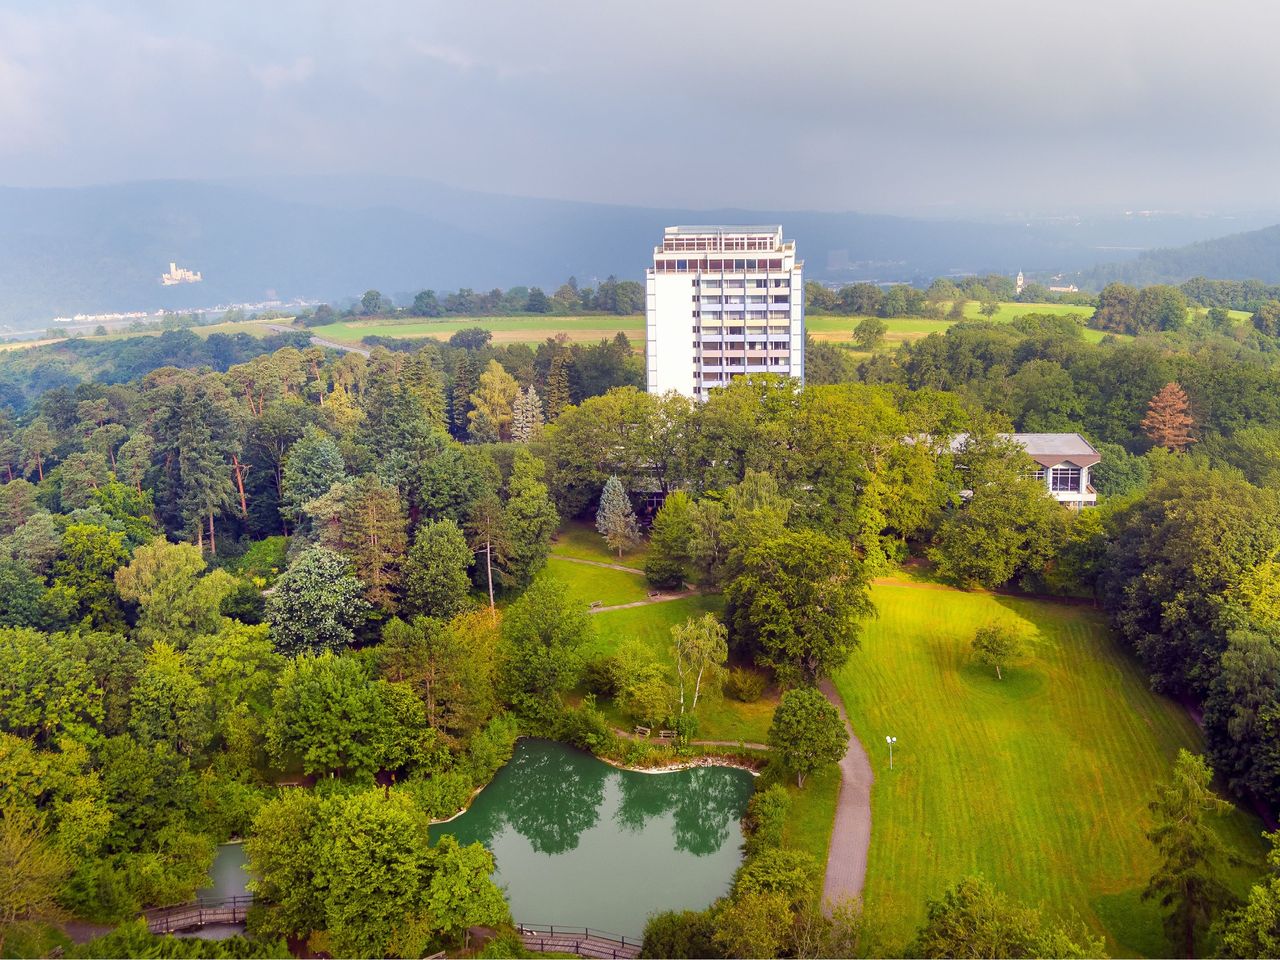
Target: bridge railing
619, 946
201, 912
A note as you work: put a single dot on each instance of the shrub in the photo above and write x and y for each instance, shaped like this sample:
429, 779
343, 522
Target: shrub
680, 933
133, 939
585, 727
791, 873
766, 816
439, 796
491, 748
603, 676
505, 946
745, 684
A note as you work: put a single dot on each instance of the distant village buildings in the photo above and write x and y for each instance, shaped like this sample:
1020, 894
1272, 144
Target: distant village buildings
1020, 283
177, 274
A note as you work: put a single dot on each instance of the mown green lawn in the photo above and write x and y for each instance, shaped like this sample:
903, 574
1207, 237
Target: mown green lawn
719, 717
581, 540
1040, 782
589, 584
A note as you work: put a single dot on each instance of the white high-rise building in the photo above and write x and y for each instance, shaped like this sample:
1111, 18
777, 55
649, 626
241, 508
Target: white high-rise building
721, 302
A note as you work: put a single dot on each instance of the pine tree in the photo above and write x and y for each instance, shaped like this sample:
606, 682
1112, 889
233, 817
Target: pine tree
616, 519
465, 378
558, 386
531, 517
1189, 882
373, 536
1168, 421
528, 416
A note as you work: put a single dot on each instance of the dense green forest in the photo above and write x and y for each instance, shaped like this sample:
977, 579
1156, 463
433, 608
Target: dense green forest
232, 564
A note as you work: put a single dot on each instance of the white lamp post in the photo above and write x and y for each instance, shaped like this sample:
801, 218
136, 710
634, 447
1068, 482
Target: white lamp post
890, 741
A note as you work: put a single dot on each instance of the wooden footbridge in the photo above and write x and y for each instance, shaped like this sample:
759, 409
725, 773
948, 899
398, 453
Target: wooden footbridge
202, 913
583, 941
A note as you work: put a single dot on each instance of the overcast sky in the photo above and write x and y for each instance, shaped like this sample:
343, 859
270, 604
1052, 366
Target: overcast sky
878, 105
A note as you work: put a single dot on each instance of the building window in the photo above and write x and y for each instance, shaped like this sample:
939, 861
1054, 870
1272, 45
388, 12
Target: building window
1064, 479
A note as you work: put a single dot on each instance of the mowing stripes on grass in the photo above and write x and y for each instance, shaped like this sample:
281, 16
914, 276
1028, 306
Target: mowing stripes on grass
1040, 781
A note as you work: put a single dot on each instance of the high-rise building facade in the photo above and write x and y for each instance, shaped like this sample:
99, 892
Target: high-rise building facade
721, 302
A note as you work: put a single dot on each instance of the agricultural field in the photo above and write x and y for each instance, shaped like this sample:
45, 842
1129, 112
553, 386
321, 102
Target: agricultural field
1040, 781
839, 329
518, 329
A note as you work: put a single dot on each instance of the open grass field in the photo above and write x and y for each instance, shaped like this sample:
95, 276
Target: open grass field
589, 584
518, 329
1040, 782
582, 541
902, 329
719, 717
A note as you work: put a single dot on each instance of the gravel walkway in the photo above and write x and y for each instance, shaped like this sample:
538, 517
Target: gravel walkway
851, 833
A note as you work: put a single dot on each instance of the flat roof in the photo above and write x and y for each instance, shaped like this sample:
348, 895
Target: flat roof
1055, 444
1048, 449
724, 228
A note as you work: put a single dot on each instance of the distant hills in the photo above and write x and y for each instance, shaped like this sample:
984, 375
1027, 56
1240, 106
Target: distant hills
103, 248
1253, 255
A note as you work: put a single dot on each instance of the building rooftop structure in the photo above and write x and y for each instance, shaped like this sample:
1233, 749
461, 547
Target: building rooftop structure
1048, 449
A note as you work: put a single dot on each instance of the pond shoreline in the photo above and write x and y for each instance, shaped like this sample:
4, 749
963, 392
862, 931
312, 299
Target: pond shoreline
580, 839
674, 765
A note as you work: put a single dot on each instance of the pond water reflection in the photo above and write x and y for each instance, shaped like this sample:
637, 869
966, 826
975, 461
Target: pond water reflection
578, 842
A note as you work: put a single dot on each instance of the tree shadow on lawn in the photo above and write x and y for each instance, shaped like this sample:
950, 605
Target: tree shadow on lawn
1135, 925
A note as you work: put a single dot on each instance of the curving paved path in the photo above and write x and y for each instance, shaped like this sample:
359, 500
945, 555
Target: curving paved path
851, 832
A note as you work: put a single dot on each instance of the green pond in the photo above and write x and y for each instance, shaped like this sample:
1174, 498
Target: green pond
227, 875
580, 843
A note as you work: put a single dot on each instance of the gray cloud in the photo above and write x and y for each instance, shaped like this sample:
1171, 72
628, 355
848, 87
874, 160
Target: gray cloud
893, 105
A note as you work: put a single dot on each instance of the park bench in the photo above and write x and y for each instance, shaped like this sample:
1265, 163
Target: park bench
597, 604
666, 734
642, 731
654, 594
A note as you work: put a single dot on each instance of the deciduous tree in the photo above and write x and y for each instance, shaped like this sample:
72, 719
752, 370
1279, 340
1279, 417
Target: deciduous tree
667, 563
317, 604
807, 732
32, 871
974, 919
531, 518
701, 648
798, 603
176, 599
997, 645
543, 635
436, 582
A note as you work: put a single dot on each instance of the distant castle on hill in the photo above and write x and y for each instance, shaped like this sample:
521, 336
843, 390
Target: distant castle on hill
179, 274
